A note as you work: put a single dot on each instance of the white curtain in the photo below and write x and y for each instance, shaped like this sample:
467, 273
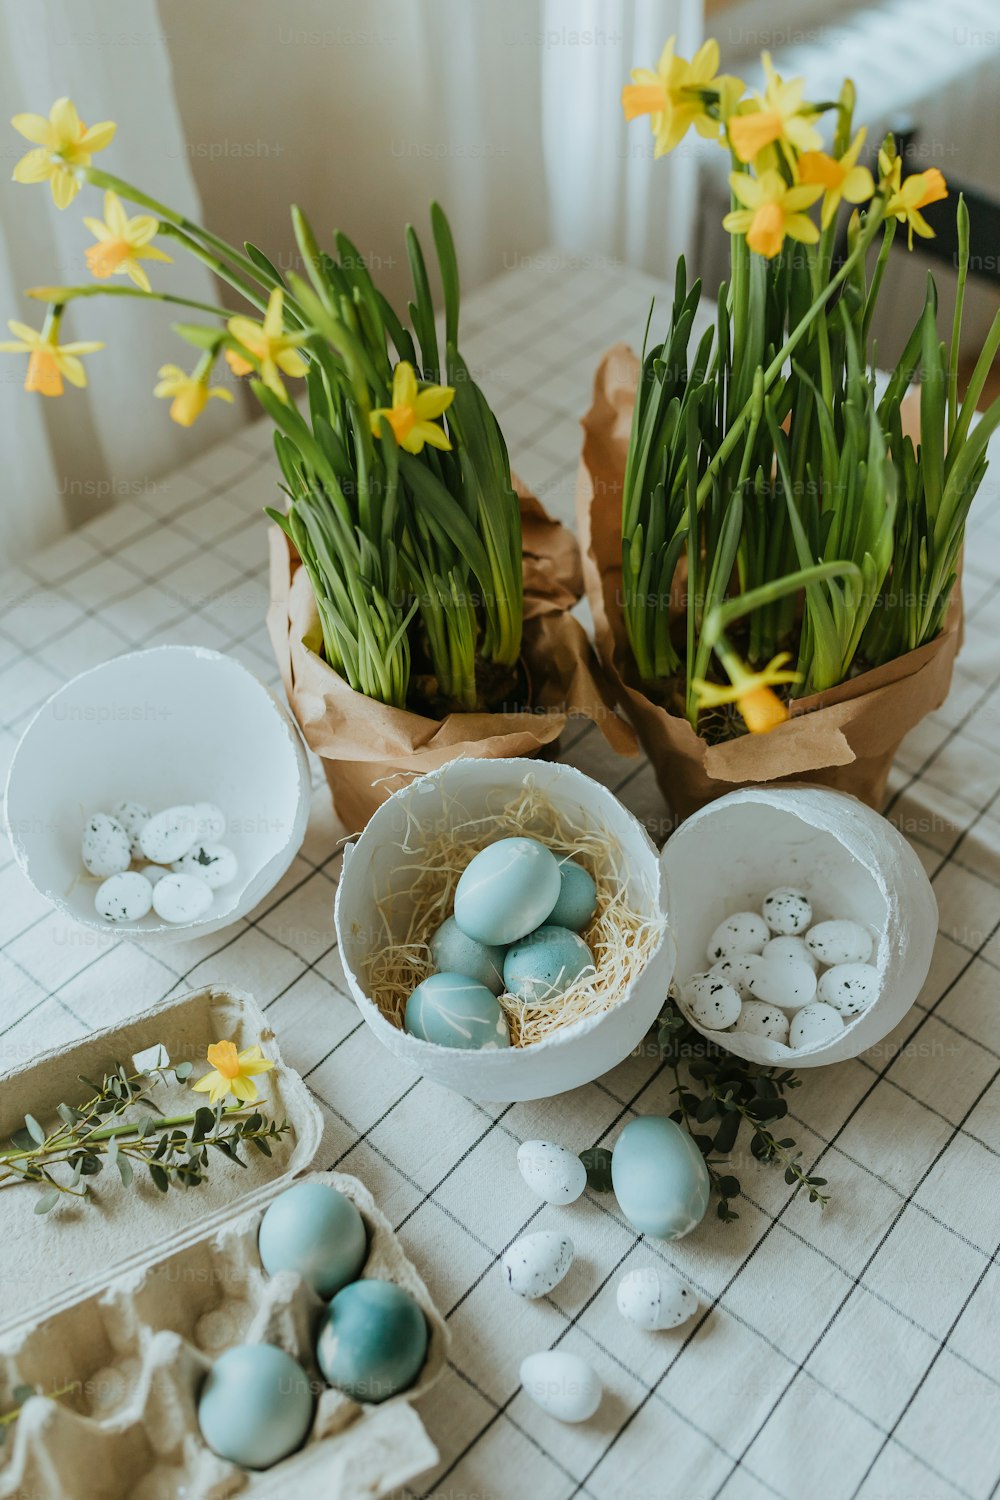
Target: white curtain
65, 459
607, 195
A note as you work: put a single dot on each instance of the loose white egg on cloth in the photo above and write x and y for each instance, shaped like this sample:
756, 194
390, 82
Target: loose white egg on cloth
133, 817
213, 863
125, 897
536, 1263
105, 848
736, 970
758, 1019
790, 947
840, 942
562, 1384
784, 982
787, 911
814, 1023
169, 834
181, 898
653, 1299
552, 1172
712, 1001
849, 988
743, 932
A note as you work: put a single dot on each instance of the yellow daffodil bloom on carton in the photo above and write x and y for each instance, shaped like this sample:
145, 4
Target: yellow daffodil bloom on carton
771, 210
778, 117
906, 199
189, 394
48, 360
273, 349
232, 1073
62, 142
674, 95
752, 692
412, 413
122, 243
840, 179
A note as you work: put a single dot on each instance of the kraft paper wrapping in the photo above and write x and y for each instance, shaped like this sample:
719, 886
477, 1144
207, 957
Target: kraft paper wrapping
845, 738
370, 750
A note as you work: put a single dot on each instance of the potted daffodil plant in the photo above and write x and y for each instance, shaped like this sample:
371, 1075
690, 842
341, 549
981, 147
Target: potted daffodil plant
419, 596
776, 590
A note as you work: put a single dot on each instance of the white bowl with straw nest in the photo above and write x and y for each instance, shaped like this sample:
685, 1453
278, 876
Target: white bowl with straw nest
399, 885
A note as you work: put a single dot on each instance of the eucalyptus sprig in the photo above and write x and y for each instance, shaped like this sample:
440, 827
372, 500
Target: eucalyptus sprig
175, 1150
22, 1394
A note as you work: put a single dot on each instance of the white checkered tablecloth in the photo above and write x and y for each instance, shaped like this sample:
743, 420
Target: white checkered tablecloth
850, 1353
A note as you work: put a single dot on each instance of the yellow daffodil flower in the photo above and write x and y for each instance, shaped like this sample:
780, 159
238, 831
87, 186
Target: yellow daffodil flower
412, 413
232, 1073
839, 179
190, 393
752, 692
62, 143
122, 243
675, 95
771, 210
906, 199
270, 345
48, 360
776, 117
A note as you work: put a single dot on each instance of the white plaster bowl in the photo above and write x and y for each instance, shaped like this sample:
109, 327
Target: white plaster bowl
375, 866
174, 724
850, 861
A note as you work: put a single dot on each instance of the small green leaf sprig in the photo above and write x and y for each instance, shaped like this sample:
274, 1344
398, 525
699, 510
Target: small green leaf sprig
175, 1150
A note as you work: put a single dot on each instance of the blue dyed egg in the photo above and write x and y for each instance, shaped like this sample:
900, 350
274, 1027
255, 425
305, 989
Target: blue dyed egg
546, 963
316, 1231
577, 897
373, 1340
256, 1405
507, 890
659, 1177
452, 1010
455, 952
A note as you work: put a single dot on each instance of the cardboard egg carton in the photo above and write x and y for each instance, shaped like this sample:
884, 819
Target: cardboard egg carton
127, 1299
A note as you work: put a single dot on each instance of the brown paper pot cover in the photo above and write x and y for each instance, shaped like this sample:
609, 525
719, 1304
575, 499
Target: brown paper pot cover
370, 750
845, 738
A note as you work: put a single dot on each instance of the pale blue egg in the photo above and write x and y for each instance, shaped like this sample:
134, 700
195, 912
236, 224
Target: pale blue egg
659, 1177
454, 951
316, 1231
546, 963
372, 1341
577, 897
453, 1010
256, 1405
507, 890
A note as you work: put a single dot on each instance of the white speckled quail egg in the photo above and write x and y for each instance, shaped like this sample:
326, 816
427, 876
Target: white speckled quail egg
126, 897
153, 873
736, 970
169, 834
181, 898
563, 1385
653, 1299
790, 947
849, 988
840, 942
105, 848
507, 890
213, 863
743, 932
536, 1263
783, 982
814, 1023
133, 817
552, 1172
787, 911
453, 952
712, 1001
210, 822
758, 1019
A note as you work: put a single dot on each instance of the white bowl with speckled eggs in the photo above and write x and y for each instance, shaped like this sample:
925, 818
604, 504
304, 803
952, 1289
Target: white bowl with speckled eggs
849, 861
173, 724
377, 865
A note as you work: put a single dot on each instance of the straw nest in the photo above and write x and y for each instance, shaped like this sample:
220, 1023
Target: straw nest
621, 937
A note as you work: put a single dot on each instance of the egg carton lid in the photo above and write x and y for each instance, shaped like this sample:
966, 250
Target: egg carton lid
54, 1260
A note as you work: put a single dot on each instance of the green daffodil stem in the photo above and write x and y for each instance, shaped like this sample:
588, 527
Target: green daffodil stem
60, 295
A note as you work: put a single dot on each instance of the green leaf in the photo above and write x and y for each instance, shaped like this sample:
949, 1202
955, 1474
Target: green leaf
35, 1130
125, 1171
160, 1179
22, 1393
597, 1160
45, 1202
183, 1071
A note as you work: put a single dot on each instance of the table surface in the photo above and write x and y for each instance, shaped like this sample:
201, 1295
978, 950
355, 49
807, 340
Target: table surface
850, 1352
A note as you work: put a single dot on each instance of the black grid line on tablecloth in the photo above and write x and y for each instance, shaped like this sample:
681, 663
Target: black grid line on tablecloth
553, 319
